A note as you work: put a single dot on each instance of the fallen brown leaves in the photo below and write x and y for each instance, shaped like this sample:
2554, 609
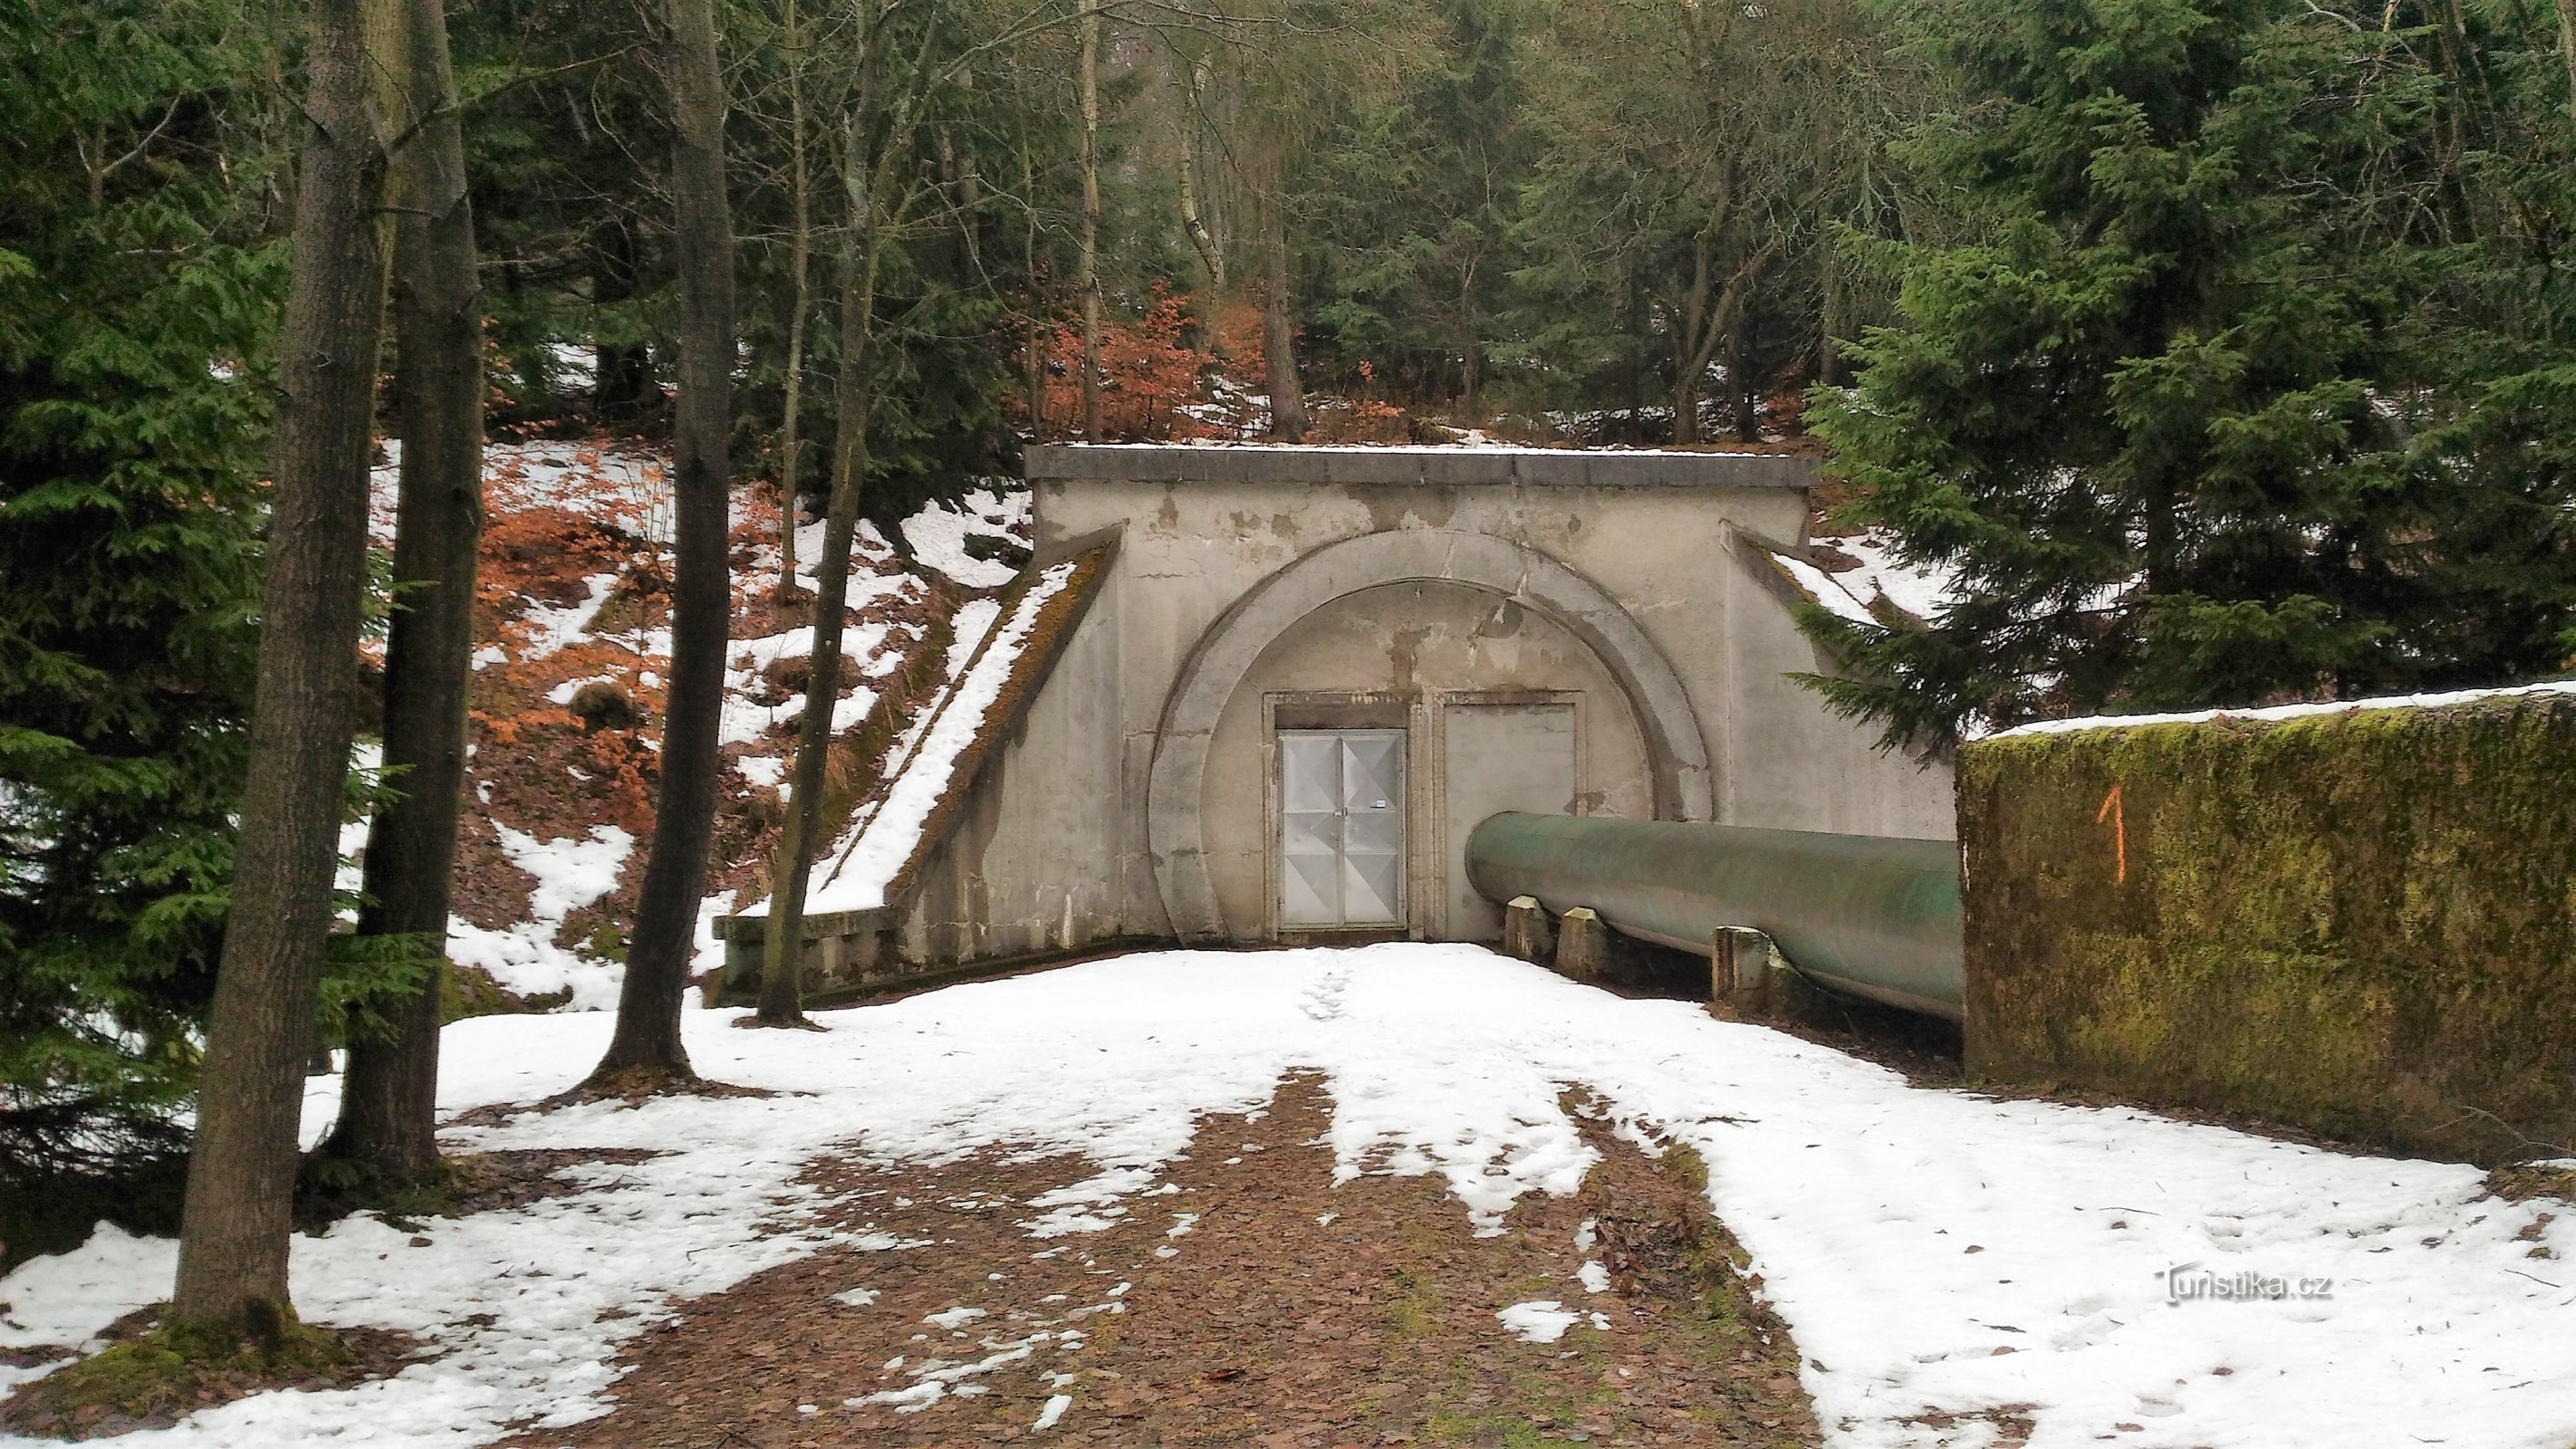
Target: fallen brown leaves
1245, 1300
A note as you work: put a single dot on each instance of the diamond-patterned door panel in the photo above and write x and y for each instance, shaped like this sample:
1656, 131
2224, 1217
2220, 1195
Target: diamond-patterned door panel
1341, 827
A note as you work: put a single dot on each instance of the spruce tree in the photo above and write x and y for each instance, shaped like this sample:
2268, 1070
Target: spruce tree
2173, 417
137, 296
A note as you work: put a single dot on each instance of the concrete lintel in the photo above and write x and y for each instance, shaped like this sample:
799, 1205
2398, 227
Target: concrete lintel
1357, 466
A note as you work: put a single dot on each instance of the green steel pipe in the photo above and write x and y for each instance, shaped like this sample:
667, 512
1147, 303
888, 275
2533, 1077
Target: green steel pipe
1871, 915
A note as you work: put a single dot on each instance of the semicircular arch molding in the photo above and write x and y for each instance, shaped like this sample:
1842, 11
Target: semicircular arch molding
1678, 751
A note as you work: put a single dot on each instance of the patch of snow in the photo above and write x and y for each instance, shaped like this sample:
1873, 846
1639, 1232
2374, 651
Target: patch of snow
883, 841
938, 534
573, 365
1053, 1413
384, 495
711, 947
905, 1401
570, 873
863, 647
1827, 589
67, 1298
552, 626
1856, 1197
1922, 592
562, 693
2286, 711
1541, 1320
955, 1317
349, 876
1594, 1277
524, 958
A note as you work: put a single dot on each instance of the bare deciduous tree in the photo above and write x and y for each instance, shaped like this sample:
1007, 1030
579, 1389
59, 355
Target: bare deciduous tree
646, 1047
241, 1167
388, 1117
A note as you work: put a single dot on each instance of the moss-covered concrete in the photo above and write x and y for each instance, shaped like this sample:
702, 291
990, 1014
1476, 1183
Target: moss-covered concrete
2361, 923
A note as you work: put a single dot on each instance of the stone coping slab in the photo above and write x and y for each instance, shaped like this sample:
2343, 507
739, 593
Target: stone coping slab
1453, 466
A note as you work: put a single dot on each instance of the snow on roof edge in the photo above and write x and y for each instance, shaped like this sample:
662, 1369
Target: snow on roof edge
2271, 713
888, 847
1817, 584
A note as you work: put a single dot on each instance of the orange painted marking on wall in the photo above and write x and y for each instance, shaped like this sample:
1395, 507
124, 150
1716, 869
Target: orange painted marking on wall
2118, 815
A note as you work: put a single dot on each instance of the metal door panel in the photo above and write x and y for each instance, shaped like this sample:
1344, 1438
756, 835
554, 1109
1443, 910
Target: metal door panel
1499, 757
1372, 889
1341, 827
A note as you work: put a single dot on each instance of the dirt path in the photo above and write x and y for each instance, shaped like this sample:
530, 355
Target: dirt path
1244, 1300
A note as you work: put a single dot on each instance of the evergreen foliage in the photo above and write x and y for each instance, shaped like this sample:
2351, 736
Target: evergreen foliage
2200, 402
138, 292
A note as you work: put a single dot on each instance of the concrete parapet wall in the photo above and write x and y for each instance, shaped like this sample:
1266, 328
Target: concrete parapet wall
1487, 467
2362, 923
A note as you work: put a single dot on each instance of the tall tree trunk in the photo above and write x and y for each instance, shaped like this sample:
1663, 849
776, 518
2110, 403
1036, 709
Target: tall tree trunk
1829, 353
782, 950
1695, 337
1038, 313
1191, 222
1090, 79
2566, 48
1279, 330
1739, 377
388, 1106
241, 1167
1639, 363
1686, 390
622, 372
647, 1039
1471, 357
800, 251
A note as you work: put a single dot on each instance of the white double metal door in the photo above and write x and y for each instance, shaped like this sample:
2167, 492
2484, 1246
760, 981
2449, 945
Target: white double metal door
1341, 827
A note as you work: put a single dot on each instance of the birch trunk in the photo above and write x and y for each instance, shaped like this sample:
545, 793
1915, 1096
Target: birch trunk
1191, 222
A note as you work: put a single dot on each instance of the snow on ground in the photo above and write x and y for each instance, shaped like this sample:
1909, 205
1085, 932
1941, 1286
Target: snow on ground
1920, 591
631, 484
552, 626
863, 652
1932, 1250
524, 959
873, 571
939, 531
883, 840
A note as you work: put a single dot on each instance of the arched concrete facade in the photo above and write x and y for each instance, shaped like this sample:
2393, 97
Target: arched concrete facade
1684, 788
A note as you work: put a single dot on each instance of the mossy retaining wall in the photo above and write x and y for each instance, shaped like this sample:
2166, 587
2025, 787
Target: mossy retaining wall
2361, 923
